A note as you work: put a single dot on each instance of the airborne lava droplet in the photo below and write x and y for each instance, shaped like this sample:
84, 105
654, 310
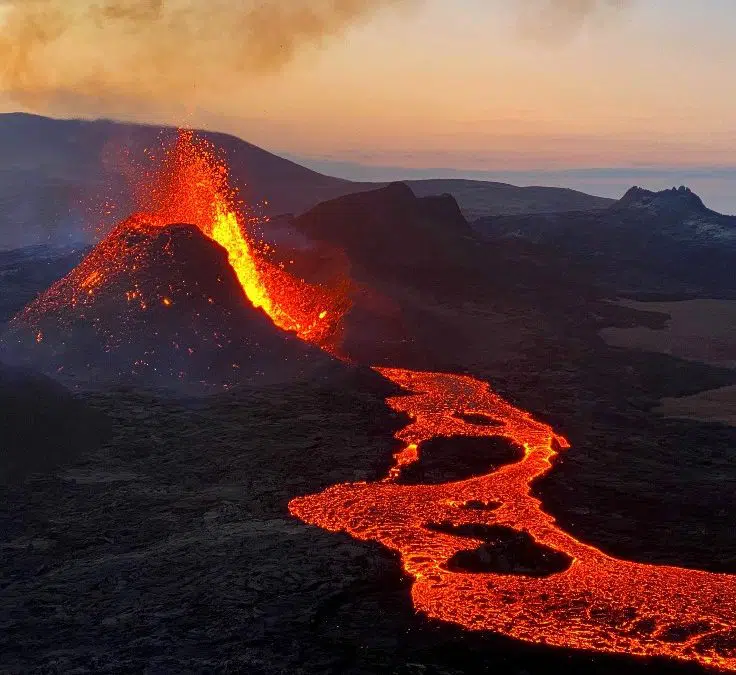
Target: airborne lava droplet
192, 185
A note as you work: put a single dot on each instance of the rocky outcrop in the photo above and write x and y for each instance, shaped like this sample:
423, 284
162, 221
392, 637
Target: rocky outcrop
42, 425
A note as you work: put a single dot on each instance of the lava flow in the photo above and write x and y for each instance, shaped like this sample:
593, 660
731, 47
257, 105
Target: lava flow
596, 603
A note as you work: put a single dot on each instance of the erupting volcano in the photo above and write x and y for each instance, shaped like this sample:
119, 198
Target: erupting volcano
178, 288
191, 185
155, 298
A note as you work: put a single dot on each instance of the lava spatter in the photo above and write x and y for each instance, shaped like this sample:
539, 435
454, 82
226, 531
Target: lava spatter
190, 183
597, 603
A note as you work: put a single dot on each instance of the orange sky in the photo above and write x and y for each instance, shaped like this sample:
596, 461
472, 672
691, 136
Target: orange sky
471, 84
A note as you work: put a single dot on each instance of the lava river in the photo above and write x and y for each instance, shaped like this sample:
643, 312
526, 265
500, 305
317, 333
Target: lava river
597, 603
594, 602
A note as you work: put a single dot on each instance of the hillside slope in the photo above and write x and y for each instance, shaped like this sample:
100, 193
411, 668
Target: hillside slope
664, 243
58, 176
479, 199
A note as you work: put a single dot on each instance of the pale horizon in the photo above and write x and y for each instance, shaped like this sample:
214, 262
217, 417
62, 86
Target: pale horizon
716, 185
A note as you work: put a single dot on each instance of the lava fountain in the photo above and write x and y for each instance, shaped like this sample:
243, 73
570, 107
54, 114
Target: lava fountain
190, 184
164, 297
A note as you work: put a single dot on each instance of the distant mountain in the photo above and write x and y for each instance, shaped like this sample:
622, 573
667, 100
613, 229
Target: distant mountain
659, 243
389, 232
58, 176
676, 201
479, 199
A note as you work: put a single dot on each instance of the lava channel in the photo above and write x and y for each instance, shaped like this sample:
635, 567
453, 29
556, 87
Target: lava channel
596, 603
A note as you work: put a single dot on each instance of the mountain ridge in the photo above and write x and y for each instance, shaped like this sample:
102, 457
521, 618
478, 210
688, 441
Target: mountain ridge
678, 198
474, 196
661, 243
57, 175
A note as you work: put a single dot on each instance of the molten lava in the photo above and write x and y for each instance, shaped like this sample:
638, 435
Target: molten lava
188, 182
595, 602
191, 185
598, 603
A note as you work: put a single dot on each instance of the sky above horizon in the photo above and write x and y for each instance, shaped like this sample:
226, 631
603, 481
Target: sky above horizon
479, 85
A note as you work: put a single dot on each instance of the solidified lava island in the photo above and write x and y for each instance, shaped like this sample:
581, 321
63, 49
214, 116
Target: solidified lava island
585, 600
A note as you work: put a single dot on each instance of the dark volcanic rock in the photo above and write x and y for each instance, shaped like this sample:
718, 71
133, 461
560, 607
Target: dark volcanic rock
443, 459
505, 551
41, 425
160, 305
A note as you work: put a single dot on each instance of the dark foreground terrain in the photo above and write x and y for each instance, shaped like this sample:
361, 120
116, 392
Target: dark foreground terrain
169, 548
164, 542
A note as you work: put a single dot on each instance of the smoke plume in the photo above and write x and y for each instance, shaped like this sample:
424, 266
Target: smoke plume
127, 54
149, 50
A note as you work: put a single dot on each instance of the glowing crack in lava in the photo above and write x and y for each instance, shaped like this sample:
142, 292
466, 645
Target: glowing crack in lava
597, 603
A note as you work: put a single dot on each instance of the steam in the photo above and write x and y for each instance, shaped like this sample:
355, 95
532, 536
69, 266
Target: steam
156, 50
555, 21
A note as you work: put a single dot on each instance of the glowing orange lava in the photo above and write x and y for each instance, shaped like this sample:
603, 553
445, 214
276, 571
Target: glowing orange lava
192, 186
599, 603
186, 184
